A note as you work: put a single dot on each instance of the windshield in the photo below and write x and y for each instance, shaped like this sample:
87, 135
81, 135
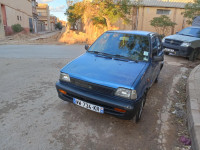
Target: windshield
195, 32
130, 46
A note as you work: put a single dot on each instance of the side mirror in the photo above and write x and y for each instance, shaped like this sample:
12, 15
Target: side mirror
86, 47
158, 58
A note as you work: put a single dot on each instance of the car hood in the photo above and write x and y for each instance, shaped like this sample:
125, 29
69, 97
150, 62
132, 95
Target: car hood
182, 38
104, 71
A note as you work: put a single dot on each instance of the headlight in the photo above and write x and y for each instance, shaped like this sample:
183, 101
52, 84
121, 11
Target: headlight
185, 44
126, 93
163, 40
64, 77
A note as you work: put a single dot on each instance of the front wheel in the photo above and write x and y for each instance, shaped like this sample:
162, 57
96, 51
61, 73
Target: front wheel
166, 53
194, 55
140, 110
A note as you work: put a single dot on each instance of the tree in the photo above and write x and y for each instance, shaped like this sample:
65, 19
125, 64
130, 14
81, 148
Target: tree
74, 13
192, 10
109, 11
99, 15
104, 12
162, 24
58, 26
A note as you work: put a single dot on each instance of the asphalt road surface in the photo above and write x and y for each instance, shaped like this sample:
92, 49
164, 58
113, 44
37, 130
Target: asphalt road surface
33, 117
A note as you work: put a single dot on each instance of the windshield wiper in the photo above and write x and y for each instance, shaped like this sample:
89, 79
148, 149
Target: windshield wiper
124, 57
96, 52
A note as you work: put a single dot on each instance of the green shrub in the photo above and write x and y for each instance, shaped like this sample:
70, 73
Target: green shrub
17, 28
162, 24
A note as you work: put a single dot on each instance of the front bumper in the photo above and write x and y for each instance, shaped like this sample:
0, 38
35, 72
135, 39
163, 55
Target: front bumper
178, 50
108, 102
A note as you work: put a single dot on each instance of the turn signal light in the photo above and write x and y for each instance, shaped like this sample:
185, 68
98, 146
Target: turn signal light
62, 91
120, 110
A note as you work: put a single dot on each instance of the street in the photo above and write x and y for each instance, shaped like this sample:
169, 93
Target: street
33, 117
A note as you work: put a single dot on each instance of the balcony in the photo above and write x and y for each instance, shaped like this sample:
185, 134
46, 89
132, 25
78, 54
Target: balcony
34, 11
43, 18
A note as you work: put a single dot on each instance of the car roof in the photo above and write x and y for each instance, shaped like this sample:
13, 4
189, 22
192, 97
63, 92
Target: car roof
137, 32
194, 27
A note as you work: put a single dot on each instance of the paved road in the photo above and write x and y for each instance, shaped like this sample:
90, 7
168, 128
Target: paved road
33, 117
41, 51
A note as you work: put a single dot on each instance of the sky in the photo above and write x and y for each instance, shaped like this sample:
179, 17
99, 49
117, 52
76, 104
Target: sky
57, 7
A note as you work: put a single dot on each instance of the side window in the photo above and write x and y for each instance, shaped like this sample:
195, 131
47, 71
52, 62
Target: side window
154, 46
158, 44
154, 42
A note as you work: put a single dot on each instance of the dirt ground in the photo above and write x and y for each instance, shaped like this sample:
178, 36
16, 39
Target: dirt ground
33, 117
50, 38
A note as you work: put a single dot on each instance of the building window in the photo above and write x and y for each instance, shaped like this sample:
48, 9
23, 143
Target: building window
20, 18
17, 17
33, 4
163, 12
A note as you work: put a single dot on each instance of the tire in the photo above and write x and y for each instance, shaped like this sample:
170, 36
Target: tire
156, 81
193, 56
138, 115
166, 53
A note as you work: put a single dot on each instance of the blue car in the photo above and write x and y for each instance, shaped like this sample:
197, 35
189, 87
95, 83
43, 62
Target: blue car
115, 74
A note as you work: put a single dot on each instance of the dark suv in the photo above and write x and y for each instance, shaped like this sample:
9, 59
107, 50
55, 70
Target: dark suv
185, 43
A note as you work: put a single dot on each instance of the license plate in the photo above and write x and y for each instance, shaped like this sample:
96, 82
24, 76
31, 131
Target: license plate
169, 50
88, 106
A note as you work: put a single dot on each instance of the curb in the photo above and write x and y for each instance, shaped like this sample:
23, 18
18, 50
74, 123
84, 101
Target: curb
193, 107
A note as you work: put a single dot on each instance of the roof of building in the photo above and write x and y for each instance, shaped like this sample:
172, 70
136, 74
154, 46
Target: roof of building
42, 5
165, 3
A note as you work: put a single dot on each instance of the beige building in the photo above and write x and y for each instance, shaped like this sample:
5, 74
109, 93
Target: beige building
53, 21
16, 12
170, 8
149, 9
44, 15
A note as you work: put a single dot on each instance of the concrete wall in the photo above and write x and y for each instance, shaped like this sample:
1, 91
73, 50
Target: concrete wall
2, 32
146, 14
21, 5
13, 15
17, 12
193, 107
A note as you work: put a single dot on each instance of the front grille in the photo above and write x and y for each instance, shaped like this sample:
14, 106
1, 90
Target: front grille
92, 87
173, 42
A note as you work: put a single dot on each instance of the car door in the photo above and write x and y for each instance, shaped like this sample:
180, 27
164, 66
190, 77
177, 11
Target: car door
156, 47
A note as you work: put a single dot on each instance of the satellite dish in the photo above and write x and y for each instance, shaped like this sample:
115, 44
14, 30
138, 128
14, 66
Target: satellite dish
196, 21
